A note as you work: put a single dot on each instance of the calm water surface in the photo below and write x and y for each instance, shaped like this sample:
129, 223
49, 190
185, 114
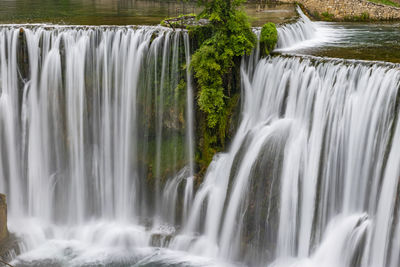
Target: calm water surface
365, 41
119, 12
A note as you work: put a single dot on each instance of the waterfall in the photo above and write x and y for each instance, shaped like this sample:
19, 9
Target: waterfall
80, 139
97, 154
312, 175
305, 33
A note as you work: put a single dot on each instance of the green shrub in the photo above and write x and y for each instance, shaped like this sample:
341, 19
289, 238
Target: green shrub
327, 16
208, 73
363, 17
231, 38
268, 37
316, 15
216, 62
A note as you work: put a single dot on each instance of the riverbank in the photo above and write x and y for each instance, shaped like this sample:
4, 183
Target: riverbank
348, 10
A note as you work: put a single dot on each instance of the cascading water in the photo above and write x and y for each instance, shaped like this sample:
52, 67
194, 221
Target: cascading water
312, 176
305, 33
97, 155
94, 120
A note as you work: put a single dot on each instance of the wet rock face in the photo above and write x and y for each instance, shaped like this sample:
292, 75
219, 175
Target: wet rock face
9, 243
3, 218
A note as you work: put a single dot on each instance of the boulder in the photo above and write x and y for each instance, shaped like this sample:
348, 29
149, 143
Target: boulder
9, 243
3, 218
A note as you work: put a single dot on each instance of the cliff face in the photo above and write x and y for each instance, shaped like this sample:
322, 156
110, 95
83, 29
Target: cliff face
3, 218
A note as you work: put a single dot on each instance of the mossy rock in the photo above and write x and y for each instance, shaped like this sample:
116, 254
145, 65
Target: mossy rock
184, 22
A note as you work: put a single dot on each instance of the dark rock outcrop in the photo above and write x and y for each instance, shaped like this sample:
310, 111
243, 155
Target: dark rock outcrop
3, 218
9, 244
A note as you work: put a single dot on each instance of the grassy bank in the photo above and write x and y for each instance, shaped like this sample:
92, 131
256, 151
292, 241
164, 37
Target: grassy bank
385, 2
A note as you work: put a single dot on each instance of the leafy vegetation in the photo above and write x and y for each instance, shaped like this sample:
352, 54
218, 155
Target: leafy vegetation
216, 62
385, 2
232, 37
327, 16
363, 17
216, 66
268, 37
221, 36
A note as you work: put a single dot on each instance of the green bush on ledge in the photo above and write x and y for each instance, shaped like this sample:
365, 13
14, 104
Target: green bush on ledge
215, 64
231, 38
268, 37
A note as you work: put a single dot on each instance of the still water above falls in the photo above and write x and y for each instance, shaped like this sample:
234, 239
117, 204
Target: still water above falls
97, 154
121, 12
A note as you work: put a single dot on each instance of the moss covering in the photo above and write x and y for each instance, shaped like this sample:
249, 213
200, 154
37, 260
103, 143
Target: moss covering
172, 156
182, 21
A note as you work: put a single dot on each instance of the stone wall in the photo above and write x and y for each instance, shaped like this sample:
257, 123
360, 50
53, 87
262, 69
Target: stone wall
348, 9
3, 218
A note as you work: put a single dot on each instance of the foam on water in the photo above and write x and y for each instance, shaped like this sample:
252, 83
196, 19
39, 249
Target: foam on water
306, 33
99, 243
